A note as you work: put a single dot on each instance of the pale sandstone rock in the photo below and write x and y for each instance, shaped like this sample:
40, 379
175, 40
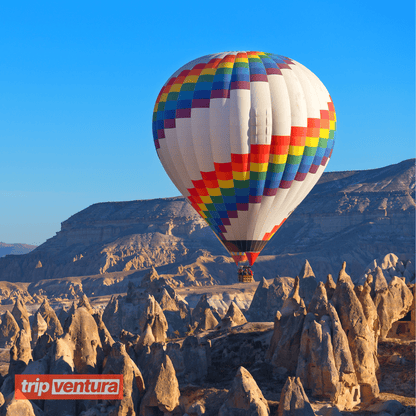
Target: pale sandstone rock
9, 329
61, 362
244, 397
20, 353
146, 338
319, 303
119, 362
14, 407
198, 314
330, 286
325, 364
361, 338
111, 317
281, 289
306, 271
49, 315
85, 303
285, 343
39, 327
83, 332
166, 302
370, 310
163, 390
155, 318
379, 282
293, 400
21, 315
392, 304
234, 312
226, 324
316, 365
256, 312
107, 340
207, 321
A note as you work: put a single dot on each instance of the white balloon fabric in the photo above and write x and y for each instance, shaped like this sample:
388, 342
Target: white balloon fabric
244, 136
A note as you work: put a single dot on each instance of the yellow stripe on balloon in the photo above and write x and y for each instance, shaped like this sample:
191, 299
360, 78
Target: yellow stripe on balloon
324, 133
258, 167
312, 141
191, 79
296, 150
226, 184
214, 191
206, 199
163, 97
277, 159
241, 176
202, 207
175, 88
208, 71
226, 65
332, 125
245, 60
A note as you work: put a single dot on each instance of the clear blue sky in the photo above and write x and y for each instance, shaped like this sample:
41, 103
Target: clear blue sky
78, 82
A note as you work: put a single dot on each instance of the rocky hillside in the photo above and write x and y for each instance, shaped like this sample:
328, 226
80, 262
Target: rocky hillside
15, 249
354, 216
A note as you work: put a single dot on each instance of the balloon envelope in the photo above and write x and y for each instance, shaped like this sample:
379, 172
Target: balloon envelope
244, 136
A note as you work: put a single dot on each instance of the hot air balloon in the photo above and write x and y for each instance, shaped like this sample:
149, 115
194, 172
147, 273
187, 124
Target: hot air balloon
244, 136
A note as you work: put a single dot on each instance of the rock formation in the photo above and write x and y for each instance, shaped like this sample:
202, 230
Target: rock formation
285, 343
235, 314
319, 303
52, 321
369, 309
330, 286
163, 390
256, 310
392, 304
207, 321
293, 400
39, 327
244, 397
154, 317
361, 338
307, 282
270, 298
198, 314
21, 315
9, 330
83, 334
325, 364
20, 353
119, 362
389, 266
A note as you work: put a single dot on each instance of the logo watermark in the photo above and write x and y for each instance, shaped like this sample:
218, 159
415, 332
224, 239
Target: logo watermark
69, 387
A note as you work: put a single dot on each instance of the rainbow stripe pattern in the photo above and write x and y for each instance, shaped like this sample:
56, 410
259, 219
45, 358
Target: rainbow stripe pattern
244, 136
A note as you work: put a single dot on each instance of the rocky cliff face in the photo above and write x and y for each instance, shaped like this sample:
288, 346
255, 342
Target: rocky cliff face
354, 216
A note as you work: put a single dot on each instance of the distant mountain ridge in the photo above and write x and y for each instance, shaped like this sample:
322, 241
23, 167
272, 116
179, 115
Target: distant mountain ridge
18, 248
355, 216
